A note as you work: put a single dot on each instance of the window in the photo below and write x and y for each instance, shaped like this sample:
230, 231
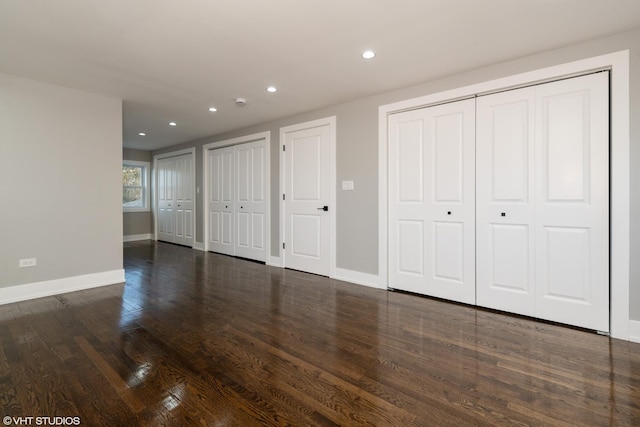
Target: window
135, 188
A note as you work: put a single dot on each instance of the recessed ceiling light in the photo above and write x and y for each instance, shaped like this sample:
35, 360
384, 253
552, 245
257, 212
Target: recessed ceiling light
272, 89
213, 109
142, 134
368, 54
172, 123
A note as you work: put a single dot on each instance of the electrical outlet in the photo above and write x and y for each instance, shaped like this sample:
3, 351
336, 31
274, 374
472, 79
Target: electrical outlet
27, 262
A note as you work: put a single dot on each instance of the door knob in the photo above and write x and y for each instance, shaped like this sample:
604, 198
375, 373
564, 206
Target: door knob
324, 208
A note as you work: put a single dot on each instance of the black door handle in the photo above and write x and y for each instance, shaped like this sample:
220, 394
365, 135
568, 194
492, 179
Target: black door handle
324, 208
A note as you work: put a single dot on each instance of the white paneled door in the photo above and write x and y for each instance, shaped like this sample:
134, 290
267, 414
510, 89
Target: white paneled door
250, 201
166, 188
307, 194
505, 199
543, 201
221, 201
237, 191
184, 200
431, 201
175, 199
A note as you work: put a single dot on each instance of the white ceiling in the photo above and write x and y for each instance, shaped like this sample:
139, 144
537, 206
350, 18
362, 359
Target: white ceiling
170, 60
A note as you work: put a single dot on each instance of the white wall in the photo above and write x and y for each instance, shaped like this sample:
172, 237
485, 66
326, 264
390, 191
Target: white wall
60, 175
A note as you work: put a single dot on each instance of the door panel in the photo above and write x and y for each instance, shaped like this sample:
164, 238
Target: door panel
510, 257
572, 202
250, 200
567, 275
448, 245
306, 168
510, 151
448, 157
431, 193
306, 240
410, 160
184, 203
221, 201
166, 211
565, 127
258, 229
504, 201
410, 250
307, 165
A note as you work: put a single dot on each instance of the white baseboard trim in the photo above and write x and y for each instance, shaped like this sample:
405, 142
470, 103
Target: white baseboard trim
634, 331
275, 261
59, 286
358, 278
137, 237
198, 246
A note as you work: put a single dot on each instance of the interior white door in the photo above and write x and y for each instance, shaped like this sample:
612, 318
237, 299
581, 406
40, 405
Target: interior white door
505, 201
165, 196
183, 202
431, 201
175, 199
250, 200
543, 201
572, 201
221, 201
307, 192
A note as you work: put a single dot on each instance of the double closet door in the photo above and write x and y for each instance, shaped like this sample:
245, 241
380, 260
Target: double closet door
540, 224
175, 220
237, 200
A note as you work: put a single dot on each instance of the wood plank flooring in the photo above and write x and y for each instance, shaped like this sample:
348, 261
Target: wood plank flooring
203, 339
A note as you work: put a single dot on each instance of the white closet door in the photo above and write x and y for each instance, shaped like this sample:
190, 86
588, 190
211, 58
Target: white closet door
250, 200
543, 201
572, 201
221, 200
166, 209
184, 203
505, 201
431, 201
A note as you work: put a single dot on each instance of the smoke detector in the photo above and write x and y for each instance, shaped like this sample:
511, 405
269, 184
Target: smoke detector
241, 102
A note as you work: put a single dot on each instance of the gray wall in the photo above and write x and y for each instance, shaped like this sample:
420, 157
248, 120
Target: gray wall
357, 157
60, 169
134, 223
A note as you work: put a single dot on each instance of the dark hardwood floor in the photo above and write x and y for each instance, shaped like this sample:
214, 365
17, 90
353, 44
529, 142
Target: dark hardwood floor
203, 339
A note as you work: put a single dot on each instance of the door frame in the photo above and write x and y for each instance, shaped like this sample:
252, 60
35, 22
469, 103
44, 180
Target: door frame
327, 121
266, 136
618, 63
154, 192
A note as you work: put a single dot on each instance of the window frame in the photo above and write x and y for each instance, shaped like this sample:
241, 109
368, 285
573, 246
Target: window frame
146, 166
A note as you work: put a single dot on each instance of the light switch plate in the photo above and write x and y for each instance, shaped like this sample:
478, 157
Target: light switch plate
28, 262
347, 185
